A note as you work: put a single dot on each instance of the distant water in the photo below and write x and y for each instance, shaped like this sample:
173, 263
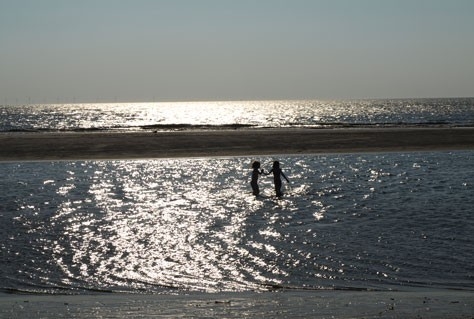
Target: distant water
215, 115
350, 222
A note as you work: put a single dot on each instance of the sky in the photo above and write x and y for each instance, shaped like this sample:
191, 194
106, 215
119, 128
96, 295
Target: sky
182, 50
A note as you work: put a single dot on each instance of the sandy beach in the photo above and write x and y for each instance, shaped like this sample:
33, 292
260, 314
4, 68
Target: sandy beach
132, 145
287, 304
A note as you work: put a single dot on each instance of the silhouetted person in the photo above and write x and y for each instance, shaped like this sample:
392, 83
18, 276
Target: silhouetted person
254, 181
277, 173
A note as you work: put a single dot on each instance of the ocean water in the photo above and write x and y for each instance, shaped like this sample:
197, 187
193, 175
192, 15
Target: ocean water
389, 221
235, 114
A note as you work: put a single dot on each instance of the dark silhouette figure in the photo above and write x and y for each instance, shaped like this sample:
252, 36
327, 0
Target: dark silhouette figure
254, 181
277, 173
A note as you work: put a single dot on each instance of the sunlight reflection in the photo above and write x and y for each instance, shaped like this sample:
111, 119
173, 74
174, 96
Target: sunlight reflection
173, 224
193, 224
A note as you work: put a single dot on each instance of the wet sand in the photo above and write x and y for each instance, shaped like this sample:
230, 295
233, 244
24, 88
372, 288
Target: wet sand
209, 143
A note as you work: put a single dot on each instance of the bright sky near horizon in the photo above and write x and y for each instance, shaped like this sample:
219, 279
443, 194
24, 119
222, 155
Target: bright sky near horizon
144, 50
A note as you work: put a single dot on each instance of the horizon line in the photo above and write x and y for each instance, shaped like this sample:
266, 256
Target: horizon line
31, 101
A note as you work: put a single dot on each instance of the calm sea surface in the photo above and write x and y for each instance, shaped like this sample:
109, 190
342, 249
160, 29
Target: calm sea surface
357, 221
188, 115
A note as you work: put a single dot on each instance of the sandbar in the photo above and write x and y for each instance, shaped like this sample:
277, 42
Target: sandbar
285, 304
35, 146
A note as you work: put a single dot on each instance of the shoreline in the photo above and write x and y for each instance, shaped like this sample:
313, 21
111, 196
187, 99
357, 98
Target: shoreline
423, 303
236, 142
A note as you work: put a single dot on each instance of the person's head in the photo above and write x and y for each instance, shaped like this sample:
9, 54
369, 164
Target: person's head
276, 164
256, 165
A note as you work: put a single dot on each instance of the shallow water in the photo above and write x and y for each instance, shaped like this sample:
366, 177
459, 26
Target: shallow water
356, 221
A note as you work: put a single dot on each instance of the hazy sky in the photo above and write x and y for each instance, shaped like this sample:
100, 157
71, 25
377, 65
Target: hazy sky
143, 50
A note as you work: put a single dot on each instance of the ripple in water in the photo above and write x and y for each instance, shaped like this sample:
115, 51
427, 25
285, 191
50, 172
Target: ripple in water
370, 221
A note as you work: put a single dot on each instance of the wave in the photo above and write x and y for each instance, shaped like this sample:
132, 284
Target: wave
155, 127
172, 290
236, 126
175, 127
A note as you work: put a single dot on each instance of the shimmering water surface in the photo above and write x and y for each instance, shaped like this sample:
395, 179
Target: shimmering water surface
361, 221
185, 115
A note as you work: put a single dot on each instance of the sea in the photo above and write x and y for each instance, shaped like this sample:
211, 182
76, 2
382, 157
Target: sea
390, 221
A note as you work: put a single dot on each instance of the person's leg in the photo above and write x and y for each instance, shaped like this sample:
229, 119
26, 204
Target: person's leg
255, 189
278, 188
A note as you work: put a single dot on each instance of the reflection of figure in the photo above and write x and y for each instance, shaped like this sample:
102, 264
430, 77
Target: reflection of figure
255, 173
276, 170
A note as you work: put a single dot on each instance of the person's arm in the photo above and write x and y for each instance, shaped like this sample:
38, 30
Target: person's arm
285, 177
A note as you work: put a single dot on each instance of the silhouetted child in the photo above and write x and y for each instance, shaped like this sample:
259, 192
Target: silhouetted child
254, 181
277, 173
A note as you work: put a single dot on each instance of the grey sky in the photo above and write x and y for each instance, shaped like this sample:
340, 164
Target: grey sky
142, 50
